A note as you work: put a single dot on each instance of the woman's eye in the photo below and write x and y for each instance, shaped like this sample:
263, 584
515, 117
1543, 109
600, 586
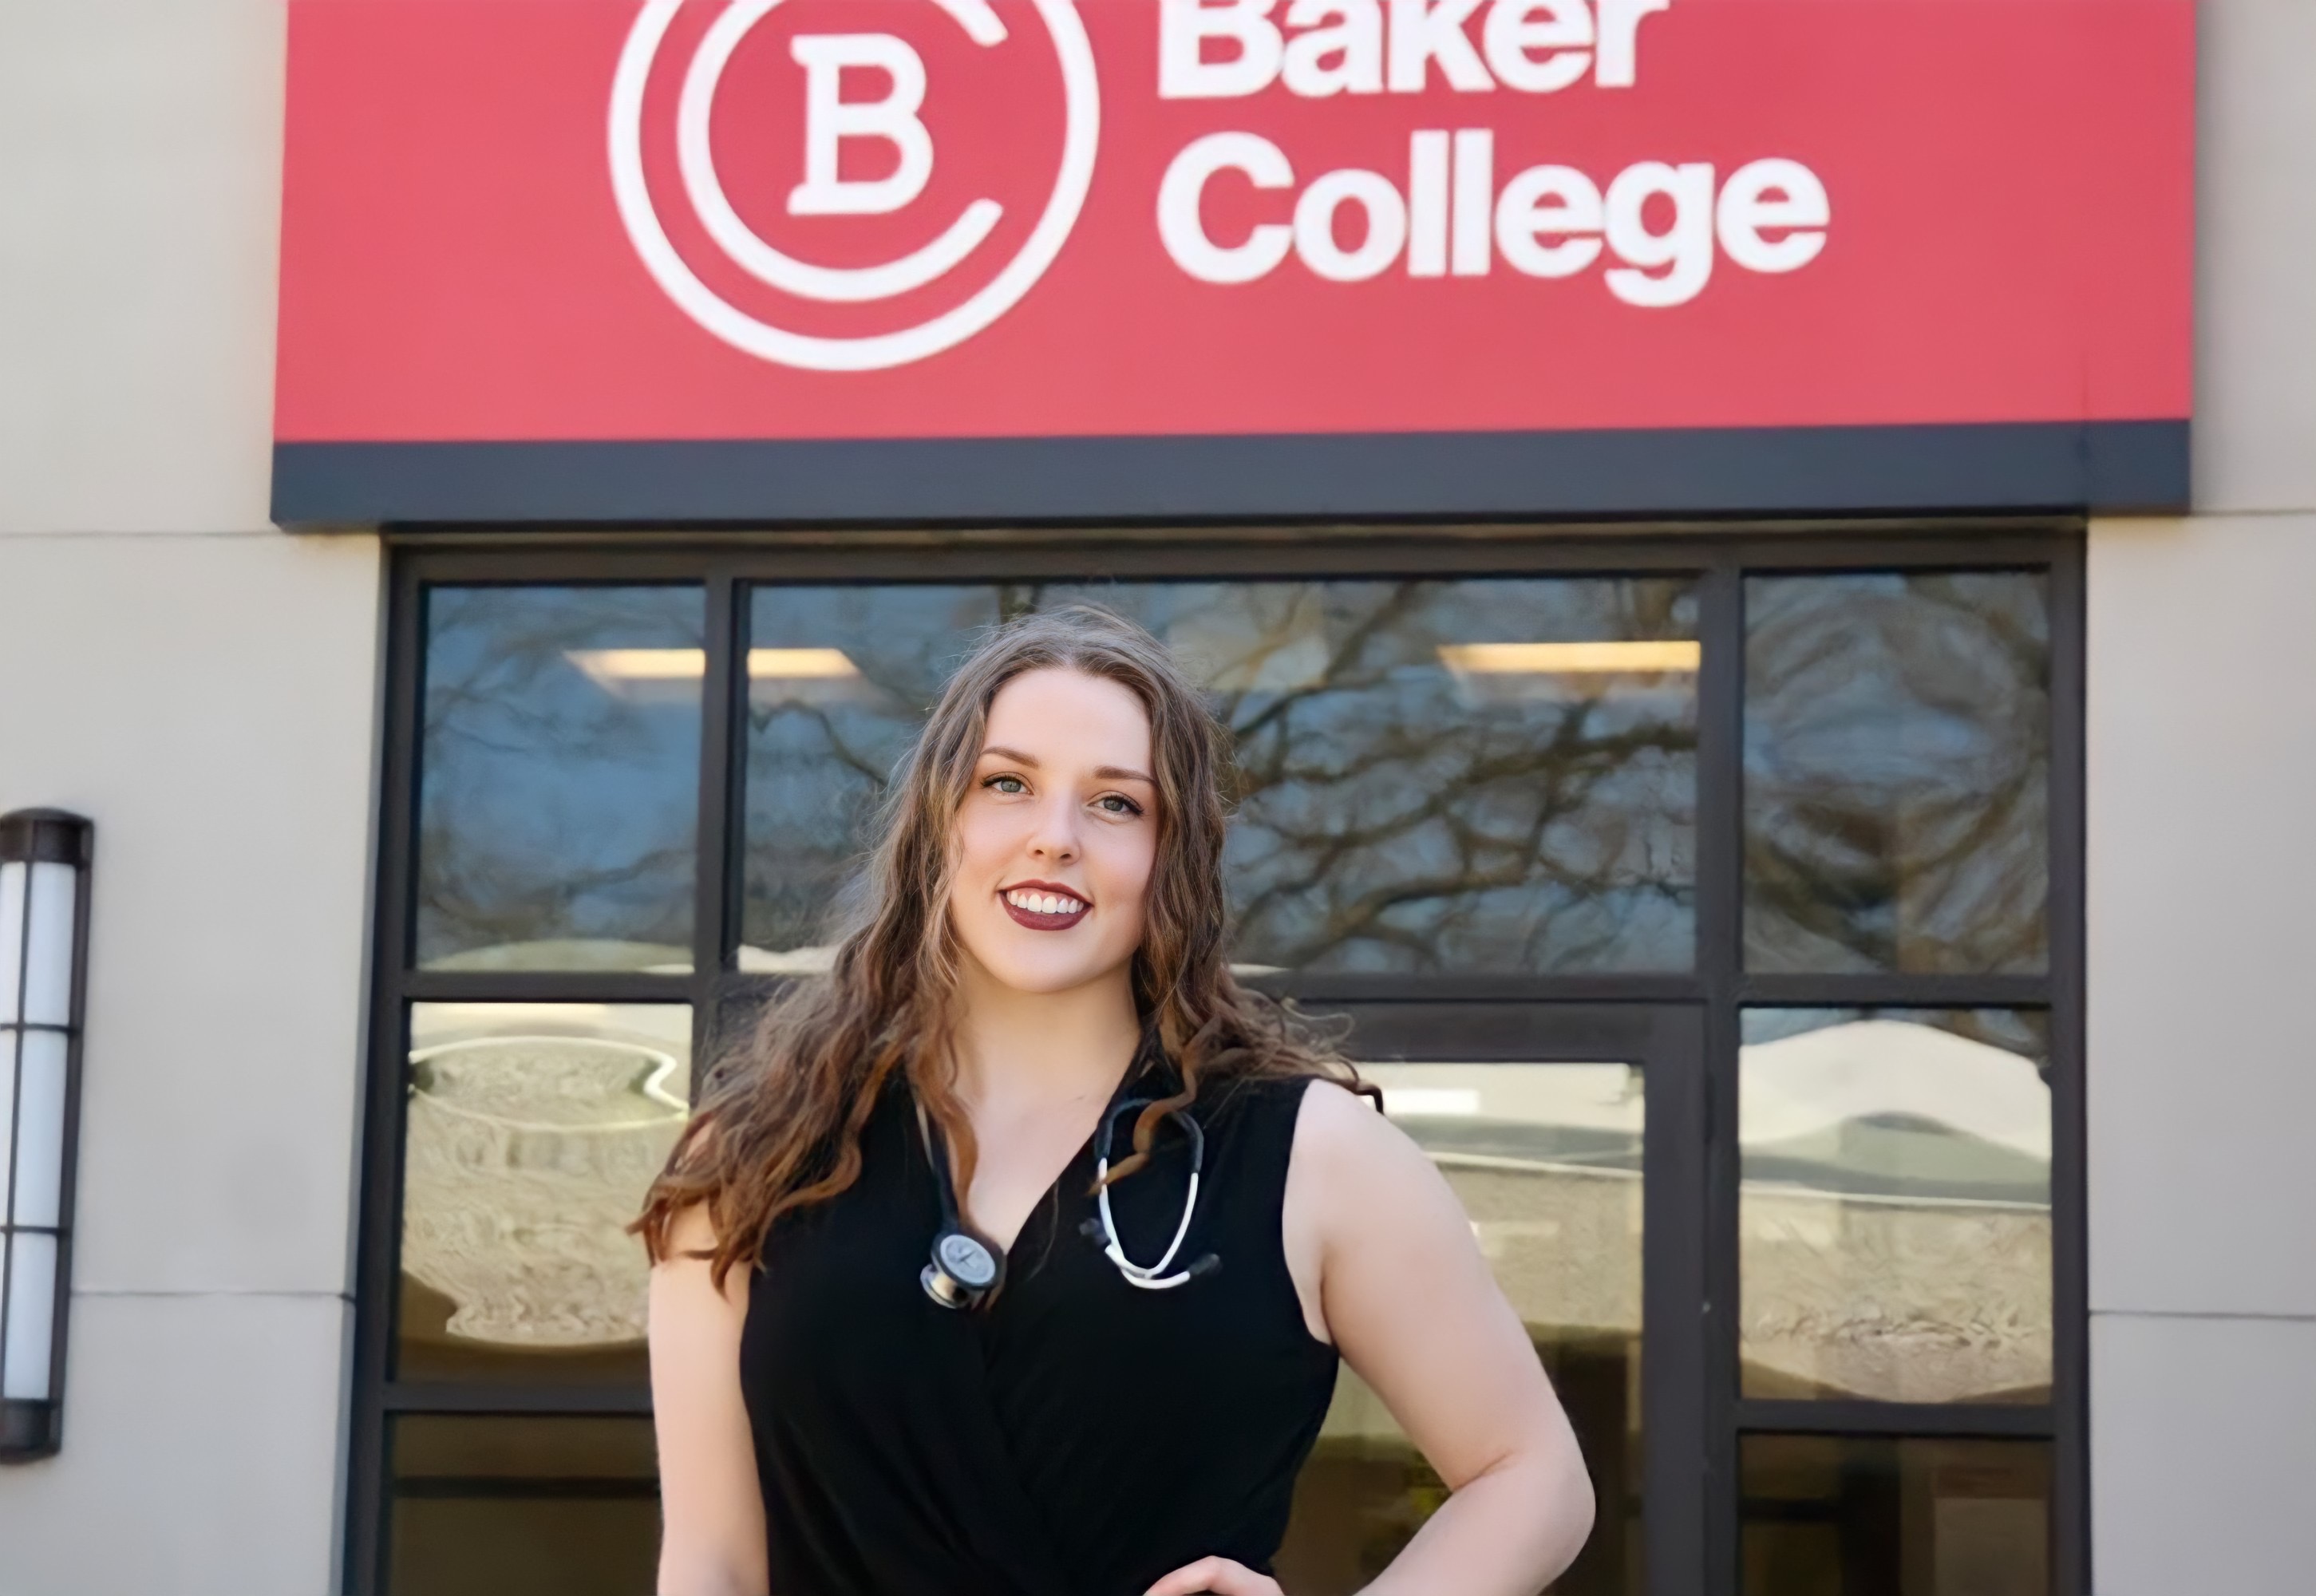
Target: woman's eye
1116, 804
1006, 784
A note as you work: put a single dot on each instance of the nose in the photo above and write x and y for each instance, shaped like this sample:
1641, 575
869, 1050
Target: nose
1055, 837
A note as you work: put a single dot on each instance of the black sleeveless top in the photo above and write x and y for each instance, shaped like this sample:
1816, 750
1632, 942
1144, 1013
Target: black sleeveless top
1076, 1436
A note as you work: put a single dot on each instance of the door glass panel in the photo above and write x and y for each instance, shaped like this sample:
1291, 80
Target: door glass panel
559, 778
1547, 1160
1431, 777
522, 1506
533, 1131
1895, 1211
1897, 772
1841, 1516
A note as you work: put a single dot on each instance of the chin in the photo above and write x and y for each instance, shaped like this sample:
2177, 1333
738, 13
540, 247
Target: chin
1041, 975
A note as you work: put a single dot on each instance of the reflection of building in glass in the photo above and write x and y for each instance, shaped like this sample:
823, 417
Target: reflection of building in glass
1896, 1218
1896, 1246
533, 1132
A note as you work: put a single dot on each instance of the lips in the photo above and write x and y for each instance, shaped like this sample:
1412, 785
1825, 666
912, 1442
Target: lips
1044, 906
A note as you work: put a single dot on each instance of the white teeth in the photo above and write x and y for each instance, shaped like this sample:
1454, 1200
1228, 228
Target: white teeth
1044, 902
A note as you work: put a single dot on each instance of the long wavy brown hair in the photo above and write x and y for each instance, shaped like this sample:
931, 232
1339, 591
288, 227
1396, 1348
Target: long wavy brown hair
779, 1124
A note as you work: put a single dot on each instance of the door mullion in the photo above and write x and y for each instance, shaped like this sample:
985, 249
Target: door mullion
1674, 1349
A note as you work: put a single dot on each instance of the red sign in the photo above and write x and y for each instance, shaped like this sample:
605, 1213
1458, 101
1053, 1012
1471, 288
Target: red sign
631, 222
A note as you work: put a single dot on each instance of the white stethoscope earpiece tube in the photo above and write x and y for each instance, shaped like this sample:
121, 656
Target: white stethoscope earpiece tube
1150, 1277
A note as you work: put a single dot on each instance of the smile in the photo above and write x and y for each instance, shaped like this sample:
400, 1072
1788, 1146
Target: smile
1043, 906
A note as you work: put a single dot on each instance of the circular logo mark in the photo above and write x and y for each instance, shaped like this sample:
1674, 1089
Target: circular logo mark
824, 192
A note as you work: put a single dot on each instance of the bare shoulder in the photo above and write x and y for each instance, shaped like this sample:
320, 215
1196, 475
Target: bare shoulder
692, 1231
1338, 1134
685, 1275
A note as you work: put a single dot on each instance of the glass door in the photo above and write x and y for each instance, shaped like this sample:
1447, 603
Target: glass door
1575, 1137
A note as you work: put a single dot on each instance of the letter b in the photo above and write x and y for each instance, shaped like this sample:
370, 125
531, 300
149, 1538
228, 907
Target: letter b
829, 120
1184, 26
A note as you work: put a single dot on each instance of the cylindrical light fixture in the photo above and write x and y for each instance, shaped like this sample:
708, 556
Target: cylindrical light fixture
44, 862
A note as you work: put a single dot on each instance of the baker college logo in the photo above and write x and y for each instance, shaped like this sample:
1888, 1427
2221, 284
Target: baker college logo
820, 182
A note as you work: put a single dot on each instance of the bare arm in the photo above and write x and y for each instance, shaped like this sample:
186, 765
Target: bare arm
712, 1542
1408, 1300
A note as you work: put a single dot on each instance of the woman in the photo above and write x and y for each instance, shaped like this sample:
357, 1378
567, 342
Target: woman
905, 1338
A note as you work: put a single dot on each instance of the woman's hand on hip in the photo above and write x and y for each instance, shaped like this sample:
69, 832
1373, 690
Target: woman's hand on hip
1217, 1575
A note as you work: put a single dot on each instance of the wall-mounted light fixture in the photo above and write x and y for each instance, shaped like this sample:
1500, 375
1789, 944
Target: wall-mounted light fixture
44, 860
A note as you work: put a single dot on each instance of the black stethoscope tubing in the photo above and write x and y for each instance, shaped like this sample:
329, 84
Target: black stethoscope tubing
967, 1269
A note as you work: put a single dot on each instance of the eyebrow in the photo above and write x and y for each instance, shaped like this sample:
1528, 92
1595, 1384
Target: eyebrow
1105, 772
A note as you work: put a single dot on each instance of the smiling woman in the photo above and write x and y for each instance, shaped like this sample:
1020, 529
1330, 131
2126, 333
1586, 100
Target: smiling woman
1038, 959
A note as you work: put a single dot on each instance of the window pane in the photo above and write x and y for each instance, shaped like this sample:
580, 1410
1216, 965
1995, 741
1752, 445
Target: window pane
840, 679
1451, 777
1547, 1159
533, 1132
1895, 1212
522, 1507
1897, 768
1833, 1516
560, 760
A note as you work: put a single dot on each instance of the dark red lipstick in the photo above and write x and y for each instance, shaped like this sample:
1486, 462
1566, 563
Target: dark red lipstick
1039, 919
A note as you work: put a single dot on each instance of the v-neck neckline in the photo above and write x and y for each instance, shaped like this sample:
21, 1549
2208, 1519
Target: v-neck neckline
1048, 1196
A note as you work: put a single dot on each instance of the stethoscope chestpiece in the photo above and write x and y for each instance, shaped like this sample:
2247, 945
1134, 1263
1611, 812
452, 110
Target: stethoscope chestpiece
964, 1270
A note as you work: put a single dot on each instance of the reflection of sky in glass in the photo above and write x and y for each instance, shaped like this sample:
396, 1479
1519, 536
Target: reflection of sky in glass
821, 748
1899, 1102
558, 808
1896, 769
1395, 812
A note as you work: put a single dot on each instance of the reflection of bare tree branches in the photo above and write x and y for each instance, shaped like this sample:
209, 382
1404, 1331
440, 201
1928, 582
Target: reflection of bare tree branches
829, 729
1897, 772
495, 900
551, 807
1392, 817
1343, 673
819, 754
1560, 777
1389, 817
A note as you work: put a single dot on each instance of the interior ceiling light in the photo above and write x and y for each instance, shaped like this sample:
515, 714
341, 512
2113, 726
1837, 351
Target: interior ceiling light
624, 668
793, 664
1555, 659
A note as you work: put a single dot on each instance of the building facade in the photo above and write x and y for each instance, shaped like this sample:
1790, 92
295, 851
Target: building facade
1834, 922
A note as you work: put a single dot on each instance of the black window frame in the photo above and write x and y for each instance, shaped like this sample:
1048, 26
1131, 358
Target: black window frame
1698, 1009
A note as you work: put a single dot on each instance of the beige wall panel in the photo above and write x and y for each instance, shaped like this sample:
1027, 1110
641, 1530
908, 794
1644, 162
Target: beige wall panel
2202, 943
209, 702
141, 192
2202, 1456
200, 1456
2256, 291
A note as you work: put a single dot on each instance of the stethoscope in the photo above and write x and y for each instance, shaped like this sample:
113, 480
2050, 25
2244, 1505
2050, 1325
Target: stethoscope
966, 1270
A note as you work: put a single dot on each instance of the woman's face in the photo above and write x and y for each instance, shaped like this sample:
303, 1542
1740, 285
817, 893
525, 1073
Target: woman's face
1057, 833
